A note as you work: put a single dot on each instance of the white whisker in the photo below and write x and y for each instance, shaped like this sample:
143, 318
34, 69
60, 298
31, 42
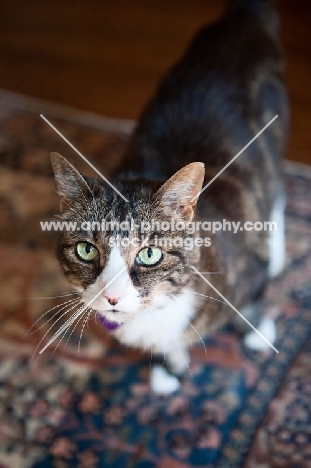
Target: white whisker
71, 301
79, 312
209, 297
78, 319
54, 317
59, 318
209, 272
52, 297
85, 321
189, 337
198, 336
67, 324
96, 319
184, 357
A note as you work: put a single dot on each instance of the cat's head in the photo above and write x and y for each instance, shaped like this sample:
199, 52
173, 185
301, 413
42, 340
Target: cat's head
124, 257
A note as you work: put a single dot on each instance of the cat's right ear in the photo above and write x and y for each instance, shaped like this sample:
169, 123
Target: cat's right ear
70, 183
180, 193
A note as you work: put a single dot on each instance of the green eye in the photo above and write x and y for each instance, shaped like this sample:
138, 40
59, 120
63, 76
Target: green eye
150, 256
86, 251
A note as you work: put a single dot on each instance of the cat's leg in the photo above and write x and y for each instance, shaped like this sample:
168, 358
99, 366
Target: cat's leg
253, 312
165, 379
277, 238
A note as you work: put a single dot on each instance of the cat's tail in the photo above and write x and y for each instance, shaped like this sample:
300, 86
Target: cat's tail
264, 9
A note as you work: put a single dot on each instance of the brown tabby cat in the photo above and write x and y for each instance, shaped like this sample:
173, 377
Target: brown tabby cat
138, 278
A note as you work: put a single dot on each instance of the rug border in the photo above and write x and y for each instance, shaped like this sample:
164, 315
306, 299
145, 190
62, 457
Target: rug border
236, 448
67, 113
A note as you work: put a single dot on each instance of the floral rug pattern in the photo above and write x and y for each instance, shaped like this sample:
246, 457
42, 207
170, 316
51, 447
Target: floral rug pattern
93, 408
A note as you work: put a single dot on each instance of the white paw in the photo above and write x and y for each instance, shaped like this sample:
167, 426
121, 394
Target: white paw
267, 328
162, 382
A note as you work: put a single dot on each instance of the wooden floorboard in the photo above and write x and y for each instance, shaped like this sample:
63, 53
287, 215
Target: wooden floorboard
107, 57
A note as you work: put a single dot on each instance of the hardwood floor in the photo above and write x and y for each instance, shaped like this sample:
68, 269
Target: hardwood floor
107, 57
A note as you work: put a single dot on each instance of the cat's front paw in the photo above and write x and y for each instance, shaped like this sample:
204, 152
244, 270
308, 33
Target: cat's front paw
162, 382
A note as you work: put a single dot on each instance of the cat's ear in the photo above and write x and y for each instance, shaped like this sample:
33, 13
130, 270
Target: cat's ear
180, 192
70, 183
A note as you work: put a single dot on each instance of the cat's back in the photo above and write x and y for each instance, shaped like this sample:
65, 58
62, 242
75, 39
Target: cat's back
225, 88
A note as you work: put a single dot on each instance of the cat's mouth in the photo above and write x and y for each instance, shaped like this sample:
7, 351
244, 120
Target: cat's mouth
110, 325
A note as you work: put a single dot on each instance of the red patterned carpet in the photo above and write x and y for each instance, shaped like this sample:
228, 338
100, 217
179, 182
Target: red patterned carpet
93, 408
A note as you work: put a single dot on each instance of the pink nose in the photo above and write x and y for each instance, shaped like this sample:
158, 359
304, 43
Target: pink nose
112, 300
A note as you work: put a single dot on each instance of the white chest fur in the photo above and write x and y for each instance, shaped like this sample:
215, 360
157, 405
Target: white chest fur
159, 327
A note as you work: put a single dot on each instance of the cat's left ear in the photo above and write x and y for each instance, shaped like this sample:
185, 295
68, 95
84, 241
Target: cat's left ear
179, 194
70, 183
